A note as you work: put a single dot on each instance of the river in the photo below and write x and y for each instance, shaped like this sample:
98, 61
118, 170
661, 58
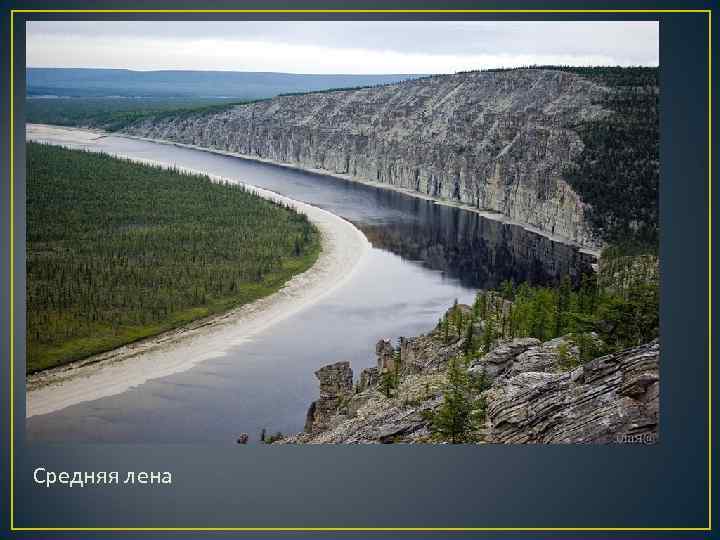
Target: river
423, 257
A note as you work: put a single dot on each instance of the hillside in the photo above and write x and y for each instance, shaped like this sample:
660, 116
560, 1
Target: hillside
80, 82
570, 151
118, 251
521, 365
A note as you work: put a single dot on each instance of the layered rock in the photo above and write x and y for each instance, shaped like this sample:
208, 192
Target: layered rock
614, 398
540, 393
498, 360
385, 356
336, 387
497, 141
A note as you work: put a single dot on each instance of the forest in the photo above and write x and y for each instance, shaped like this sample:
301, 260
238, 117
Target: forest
615, 309
113, 114
618, 172
118, 251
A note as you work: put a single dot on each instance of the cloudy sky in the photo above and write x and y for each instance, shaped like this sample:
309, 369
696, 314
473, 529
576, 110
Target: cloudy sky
338, 47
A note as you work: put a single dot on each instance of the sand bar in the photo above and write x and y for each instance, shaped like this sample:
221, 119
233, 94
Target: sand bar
343, 249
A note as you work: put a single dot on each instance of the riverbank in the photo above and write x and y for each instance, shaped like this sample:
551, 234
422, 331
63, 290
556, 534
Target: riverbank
496, 216
343, 249
474, 378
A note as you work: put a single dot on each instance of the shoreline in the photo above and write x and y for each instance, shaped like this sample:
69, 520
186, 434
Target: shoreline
488, 214
343, 249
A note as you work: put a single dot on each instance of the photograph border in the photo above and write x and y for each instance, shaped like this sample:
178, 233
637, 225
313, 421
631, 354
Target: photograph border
350, 12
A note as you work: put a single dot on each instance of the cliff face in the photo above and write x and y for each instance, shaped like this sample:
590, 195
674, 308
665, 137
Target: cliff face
533, 396
498, 141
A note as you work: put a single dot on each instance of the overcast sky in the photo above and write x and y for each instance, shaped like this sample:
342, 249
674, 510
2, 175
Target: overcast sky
338, 47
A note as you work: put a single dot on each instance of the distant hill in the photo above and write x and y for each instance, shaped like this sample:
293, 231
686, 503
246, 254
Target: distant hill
571, 151
80, 82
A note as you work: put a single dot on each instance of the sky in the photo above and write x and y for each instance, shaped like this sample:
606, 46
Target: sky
348, 47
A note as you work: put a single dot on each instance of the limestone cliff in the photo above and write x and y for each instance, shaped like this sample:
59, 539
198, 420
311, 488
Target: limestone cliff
500, 141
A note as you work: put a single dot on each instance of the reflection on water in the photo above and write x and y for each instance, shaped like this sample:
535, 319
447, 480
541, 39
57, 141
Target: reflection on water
480, 252
425, 255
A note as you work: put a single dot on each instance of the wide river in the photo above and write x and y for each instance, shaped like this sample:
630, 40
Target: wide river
424, 256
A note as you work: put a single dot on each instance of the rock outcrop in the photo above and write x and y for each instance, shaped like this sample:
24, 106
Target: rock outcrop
497, 360
538, 393
613, 398
498, 141
336, 387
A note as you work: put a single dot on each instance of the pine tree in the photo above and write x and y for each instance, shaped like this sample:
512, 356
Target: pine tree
469, 339
387, 382
488, 335
453, 420
563, 304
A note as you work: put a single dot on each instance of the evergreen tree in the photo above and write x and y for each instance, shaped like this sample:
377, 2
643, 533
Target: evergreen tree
488, 335
507, 289
469, 339
563, 304
453, 420
387, 382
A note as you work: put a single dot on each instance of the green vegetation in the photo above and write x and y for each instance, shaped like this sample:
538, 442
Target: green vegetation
269, 439
341, 89
608, 75
118, 251
390, 378
620, 320
113, 114
621, 316
618, 171
608, 312
463, 409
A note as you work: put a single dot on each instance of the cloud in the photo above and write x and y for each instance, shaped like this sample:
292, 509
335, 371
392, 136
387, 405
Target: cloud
338, 47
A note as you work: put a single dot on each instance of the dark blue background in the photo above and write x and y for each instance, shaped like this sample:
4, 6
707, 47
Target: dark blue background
664, 485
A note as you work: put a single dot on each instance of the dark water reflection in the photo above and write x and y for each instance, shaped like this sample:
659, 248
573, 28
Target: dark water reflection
479, 252
424, 256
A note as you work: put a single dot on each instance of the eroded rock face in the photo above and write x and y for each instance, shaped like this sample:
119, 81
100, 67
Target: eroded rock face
498, 360
537, 398
385, 356
613, 398
427, 354
497, 141
336, 388
368, 379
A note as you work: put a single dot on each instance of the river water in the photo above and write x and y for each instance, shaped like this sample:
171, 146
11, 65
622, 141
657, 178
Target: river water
424, 256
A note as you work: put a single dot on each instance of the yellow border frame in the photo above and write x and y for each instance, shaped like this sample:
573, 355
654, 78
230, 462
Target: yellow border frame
352, 11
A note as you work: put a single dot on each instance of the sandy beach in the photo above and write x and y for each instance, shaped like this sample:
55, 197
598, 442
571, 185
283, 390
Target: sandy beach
343, 250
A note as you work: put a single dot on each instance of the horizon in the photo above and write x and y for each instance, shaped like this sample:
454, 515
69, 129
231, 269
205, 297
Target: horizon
343, 74
338, 47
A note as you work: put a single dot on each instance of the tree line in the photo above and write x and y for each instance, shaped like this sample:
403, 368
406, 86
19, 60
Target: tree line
117, 251
599, 317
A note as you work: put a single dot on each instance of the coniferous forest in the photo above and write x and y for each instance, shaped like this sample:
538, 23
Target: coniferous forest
118, 251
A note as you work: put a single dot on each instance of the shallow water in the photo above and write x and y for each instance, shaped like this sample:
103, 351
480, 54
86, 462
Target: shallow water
424, 256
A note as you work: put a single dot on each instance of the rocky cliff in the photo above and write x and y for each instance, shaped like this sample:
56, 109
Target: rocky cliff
535, 392
534, 399
501, 141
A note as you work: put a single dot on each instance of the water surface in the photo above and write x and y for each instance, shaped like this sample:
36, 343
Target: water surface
424, 256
